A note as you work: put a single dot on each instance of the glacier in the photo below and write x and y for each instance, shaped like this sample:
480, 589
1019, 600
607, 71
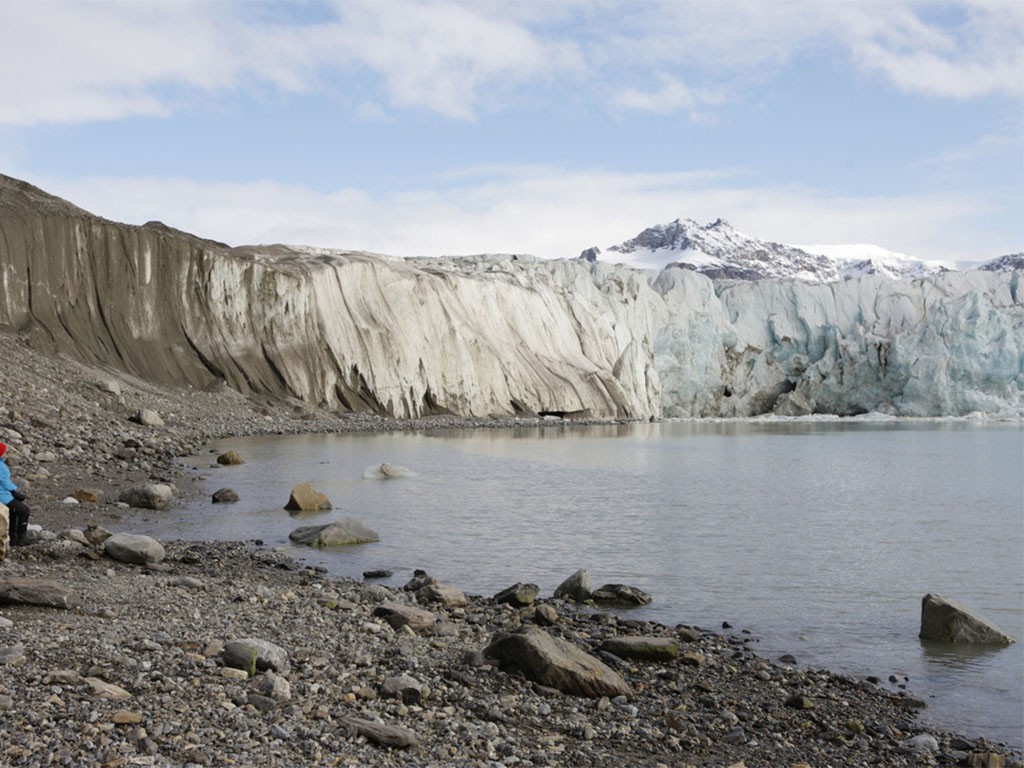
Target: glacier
502, 335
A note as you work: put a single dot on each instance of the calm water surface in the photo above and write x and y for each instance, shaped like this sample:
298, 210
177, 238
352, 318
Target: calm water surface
820, 538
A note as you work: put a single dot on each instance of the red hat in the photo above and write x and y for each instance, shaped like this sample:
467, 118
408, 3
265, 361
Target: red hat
3, 449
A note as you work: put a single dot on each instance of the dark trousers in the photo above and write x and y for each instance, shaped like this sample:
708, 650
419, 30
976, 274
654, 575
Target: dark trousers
19, 520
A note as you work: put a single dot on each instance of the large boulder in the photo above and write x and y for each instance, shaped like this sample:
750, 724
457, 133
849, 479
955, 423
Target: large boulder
305, 499
947, 621
23, 591
230, 459
255, 655
133, 548
576, 587
346, 531
148, 496
620, 595
556, 663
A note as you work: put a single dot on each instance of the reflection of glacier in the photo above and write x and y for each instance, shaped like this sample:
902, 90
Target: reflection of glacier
502, 335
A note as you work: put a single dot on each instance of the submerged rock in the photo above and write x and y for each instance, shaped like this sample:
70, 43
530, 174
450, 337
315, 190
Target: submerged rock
346, 531
947, 621
620, 595
305, 499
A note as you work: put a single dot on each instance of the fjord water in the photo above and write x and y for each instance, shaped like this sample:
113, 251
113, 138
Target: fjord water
818, 537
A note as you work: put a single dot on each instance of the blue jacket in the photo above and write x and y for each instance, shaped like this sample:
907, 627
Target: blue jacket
6, 486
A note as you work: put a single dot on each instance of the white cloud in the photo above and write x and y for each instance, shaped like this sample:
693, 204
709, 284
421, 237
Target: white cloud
83, 61
549, 212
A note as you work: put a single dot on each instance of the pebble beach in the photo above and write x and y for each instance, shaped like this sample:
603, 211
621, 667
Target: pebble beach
136, 664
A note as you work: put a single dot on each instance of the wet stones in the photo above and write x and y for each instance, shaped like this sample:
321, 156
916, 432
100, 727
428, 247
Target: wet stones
305, 499
518, 595
947, 621
643, 648
344, 532
620, 595
230, 459
576, 587
225, 496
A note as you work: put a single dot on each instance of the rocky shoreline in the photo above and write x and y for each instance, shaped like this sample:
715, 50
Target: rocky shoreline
137, 670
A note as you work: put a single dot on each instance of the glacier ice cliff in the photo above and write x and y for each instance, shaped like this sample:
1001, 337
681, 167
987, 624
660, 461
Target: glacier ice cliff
501, 335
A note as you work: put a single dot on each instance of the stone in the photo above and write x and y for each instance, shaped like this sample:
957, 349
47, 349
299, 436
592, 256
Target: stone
555, 663
519, 594
379, 573
404, 687
96, 534
393, 736
276, 687
922, 744
225, 496
149, 496
11, 654
620, 594
189, 582
87, 495
75, 535
576, 587
110, 386
693, 659
400, 615
106, 690
134, 548
255, 655
797, 701
643, 648
546, 615
305, 499
126, 717
947, 621
147, 417
230, 459
342, 533
23, 591
445, 594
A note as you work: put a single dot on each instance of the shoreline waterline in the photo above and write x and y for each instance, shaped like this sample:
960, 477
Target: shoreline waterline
809, 634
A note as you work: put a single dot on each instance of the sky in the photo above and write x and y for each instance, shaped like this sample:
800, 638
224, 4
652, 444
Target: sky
544, 127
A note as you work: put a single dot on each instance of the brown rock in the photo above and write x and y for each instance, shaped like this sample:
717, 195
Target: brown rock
305, 499
230, 459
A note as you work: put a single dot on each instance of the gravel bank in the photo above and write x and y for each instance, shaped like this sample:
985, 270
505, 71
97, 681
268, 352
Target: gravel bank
135, 671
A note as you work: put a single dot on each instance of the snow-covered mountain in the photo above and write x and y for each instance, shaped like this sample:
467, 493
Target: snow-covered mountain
722, 253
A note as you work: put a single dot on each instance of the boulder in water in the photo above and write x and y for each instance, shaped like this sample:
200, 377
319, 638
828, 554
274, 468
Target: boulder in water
305, 499
346, 531
947, 621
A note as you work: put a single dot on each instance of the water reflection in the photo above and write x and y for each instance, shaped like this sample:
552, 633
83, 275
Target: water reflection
959, 655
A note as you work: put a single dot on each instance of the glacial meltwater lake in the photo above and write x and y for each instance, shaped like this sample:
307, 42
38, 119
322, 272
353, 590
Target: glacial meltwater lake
819, 537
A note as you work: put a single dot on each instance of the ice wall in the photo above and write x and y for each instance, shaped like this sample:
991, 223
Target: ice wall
501, 335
